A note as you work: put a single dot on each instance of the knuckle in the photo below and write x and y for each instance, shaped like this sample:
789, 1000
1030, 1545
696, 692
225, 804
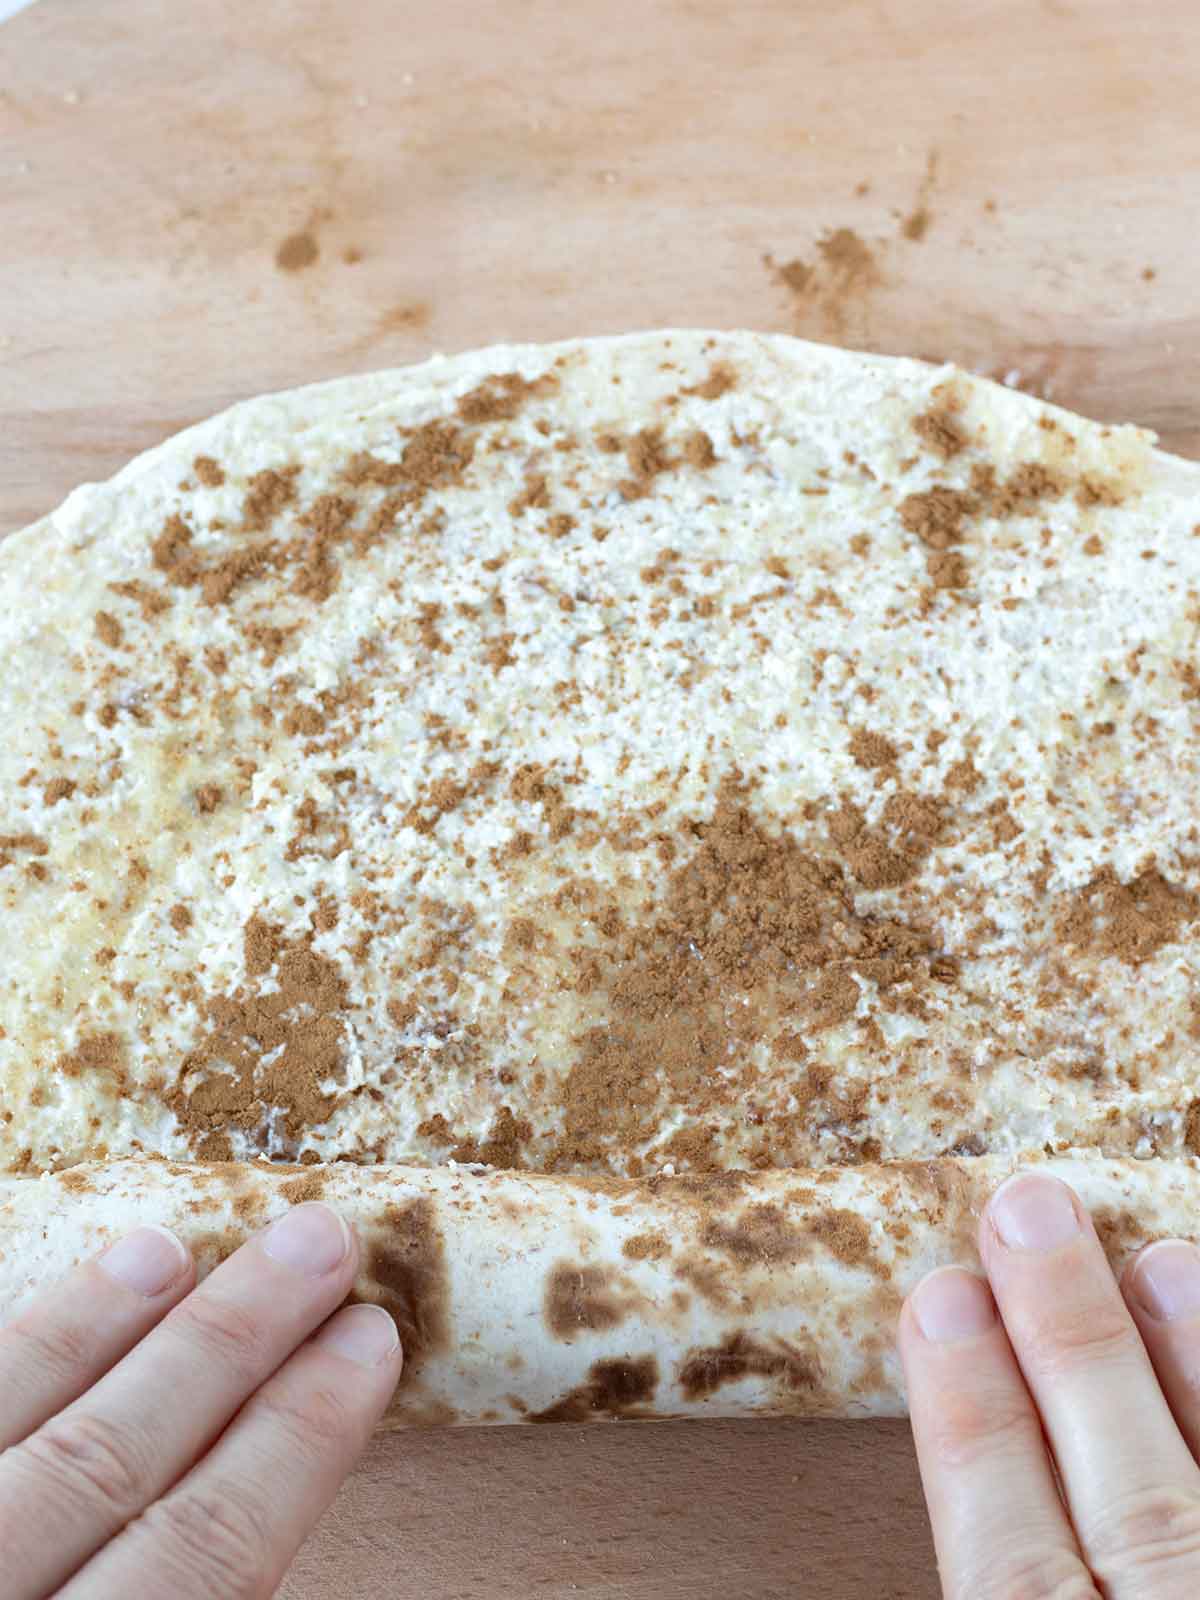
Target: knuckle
60, 1350
974, 1425
1050, 1575
93, 1460
314, 1421
214, 1538
225, 1332
1082, 1335
1155, 1530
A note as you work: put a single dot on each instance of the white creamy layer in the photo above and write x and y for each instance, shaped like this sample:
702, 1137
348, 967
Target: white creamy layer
793, 608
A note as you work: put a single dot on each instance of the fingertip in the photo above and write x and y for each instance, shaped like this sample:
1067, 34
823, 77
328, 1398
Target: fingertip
1031, 1212
365, 1334
951, 1304
1163, 1280
909, 1337
312, 1239
151, 1260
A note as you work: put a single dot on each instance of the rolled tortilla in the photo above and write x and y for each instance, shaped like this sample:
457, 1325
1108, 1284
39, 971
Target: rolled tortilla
524, 1298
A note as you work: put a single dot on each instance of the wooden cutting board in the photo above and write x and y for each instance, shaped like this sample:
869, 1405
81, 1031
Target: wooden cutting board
201, 203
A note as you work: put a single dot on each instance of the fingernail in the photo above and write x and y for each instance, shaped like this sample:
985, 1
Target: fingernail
311, 1238
365, 1334
147, 1260
952, 1304
1166, 1280
1031, 1212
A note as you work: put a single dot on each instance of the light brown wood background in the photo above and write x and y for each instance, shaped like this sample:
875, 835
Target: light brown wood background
437, 174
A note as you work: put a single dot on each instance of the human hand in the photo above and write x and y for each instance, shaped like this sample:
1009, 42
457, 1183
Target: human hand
164, 1439
1076, 1376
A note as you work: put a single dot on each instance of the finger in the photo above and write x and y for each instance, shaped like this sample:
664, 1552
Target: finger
999, 1526
1162, 1291
227, 1528
71, 1485
1131, 1484
73, 1333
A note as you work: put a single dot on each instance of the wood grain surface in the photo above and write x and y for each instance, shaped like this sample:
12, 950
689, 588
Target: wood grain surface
201, 203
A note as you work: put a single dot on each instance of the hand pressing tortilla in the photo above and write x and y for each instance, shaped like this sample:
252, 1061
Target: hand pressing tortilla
689, 759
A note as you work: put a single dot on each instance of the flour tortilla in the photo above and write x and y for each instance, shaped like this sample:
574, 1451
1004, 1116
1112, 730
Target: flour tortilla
631, 760
526, 1298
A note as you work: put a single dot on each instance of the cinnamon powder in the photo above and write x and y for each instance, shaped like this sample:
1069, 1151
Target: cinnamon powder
210, 472
108, 630
267, 1050
1129, 921
500, 397
938, 429
721, 379
747, 913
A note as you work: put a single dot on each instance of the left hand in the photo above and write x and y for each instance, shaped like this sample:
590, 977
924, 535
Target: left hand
160, 1438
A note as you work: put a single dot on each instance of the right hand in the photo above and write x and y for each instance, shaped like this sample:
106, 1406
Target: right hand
1049, 1374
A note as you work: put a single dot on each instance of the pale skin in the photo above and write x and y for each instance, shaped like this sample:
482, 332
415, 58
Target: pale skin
1048, 1371
151, 1430
164, 1438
